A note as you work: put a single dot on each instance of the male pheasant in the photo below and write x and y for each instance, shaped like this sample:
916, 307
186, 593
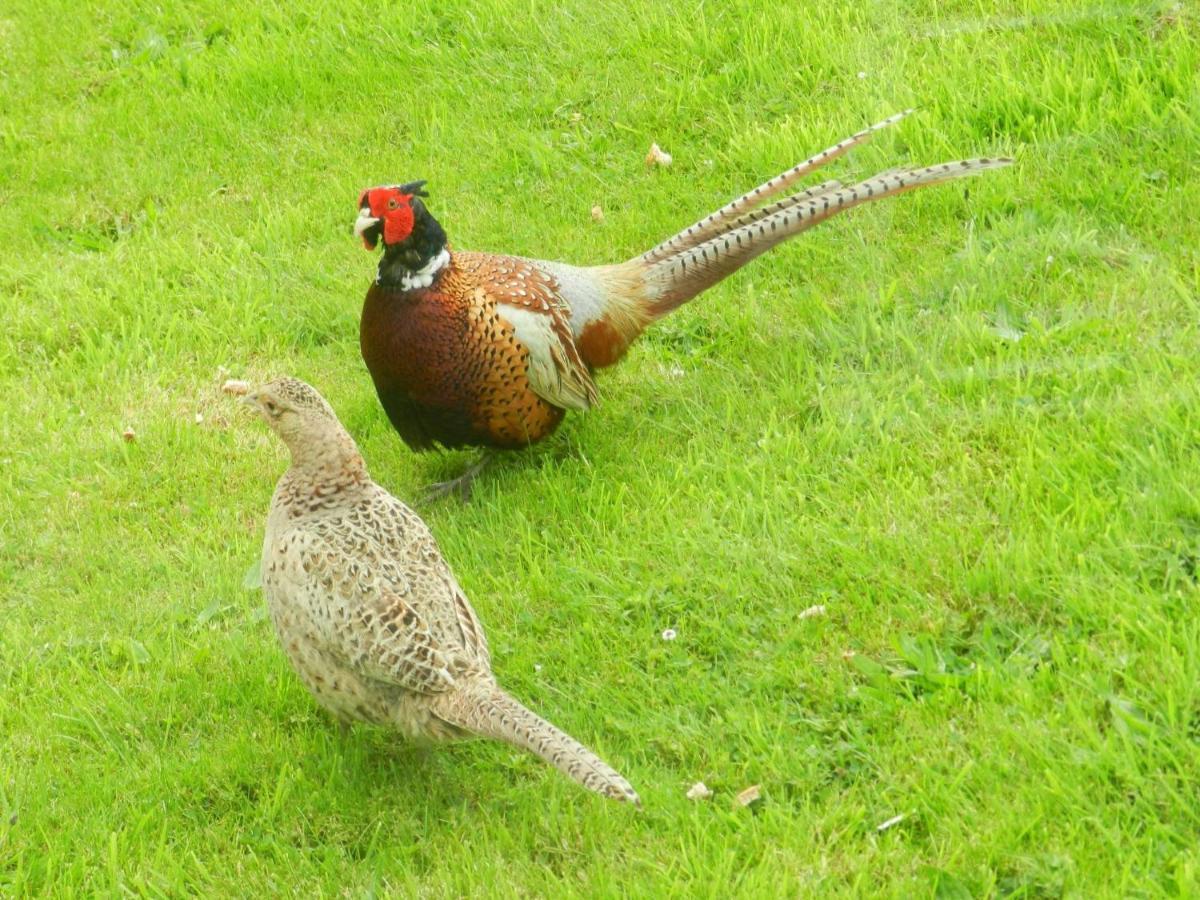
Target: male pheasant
367, 610
482, 349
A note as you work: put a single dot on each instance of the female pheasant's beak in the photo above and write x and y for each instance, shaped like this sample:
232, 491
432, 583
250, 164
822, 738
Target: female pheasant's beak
252, 400
263, 402
367, 227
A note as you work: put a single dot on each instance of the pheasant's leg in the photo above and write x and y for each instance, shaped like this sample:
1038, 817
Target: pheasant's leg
460, 485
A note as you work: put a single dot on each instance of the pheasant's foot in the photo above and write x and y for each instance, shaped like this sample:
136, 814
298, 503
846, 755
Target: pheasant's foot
460, 486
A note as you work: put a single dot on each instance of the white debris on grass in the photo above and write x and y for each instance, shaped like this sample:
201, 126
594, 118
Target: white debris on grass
748, 796
657, 156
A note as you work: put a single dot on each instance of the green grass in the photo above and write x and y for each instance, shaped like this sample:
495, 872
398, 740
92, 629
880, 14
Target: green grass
964, 421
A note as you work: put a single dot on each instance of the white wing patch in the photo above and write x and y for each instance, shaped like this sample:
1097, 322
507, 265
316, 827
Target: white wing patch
556, 371
584, 294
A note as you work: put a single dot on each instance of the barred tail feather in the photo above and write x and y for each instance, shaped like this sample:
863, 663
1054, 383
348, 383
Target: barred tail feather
677, 278
489, 712
722, 220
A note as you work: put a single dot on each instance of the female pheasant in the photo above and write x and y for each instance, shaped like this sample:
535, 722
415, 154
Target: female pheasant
368, 612
490, 350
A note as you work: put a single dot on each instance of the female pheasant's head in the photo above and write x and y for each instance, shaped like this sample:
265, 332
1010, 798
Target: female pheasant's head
307, 424
414, 244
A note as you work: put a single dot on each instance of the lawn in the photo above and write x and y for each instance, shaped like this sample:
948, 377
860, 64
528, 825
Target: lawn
962, 422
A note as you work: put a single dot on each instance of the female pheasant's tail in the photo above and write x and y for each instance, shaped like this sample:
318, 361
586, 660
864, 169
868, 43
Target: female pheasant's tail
489, 712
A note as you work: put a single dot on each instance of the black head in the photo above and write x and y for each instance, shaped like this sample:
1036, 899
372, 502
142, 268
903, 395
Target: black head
413, 240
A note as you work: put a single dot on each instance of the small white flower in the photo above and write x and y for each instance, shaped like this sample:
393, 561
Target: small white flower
699, 791
537, 667
199, 418
862, 74
669, 634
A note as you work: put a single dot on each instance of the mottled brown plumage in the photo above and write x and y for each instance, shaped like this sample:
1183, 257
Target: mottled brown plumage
367, 610
490, 350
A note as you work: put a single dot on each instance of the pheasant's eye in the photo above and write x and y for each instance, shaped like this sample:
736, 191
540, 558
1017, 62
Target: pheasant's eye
392, 204
272, 407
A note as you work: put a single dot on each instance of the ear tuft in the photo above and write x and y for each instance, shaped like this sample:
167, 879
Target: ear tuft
414, 189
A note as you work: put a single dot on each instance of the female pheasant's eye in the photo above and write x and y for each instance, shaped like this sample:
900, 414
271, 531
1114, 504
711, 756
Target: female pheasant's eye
392, 204
272, 408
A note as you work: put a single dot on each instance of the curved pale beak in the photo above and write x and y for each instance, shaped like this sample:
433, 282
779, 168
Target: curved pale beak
365, 221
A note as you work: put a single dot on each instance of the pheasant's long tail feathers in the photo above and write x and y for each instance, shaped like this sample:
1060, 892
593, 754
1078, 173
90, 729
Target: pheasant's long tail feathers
489, 712
723, 219
675, 279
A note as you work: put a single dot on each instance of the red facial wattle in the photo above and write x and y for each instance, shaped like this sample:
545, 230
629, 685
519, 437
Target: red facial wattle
398, 221
393, 209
